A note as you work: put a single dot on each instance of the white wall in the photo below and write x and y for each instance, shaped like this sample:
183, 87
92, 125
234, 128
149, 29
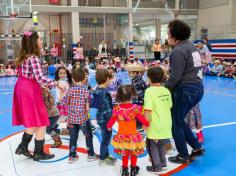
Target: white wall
216, 16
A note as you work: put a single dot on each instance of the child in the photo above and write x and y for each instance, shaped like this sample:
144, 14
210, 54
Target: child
137, 81
157, 105
114, 84
77, 100
53, 115
127, 142
10, 70
102, 101
194, 120
2, 70
63, 76
88, 86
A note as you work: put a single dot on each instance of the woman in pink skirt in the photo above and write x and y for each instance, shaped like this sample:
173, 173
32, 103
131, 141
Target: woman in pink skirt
28, 106
79, 52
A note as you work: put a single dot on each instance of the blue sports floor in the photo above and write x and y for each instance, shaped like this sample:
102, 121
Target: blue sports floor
219, 118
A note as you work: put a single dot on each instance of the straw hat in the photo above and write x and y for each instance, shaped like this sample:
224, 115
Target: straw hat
234, 64
224, 63
134, 67
217, 61
228, 63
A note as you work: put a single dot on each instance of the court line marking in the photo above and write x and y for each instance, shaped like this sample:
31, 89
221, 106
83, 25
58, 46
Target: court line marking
220, 124
219, 93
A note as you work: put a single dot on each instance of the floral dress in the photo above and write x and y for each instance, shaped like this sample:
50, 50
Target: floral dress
127, 140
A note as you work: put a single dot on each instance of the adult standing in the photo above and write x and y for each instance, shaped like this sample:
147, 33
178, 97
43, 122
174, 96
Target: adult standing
54, 53
156, 48
102, 49
79, 52
206, 42
28, 106
185, 82
204, 52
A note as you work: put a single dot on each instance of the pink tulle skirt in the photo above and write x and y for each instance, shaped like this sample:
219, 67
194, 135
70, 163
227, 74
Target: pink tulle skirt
28, 108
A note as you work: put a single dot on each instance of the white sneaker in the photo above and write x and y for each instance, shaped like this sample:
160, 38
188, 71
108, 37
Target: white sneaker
91, 158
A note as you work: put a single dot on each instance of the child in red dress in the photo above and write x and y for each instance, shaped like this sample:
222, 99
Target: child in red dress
127, 142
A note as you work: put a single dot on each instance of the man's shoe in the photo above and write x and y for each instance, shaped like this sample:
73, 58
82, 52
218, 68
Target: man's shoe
179, 160
197, 153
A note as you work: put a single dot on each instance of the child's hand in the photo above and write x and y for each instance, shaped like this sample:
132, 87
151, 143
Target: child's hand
109, 129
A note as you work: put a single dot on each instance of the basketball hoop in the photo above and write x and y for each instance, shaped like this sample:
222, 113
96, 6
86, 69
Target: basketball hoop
13, 15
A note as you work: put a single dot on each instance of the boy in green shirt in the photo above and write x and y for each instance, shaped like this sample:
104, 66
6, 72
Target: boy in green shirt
157, 105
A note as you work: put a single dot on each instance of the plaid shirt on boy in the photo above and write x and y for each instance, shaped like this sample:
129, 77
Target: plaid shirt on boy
32, 69
76, 99
104, 112
140, 87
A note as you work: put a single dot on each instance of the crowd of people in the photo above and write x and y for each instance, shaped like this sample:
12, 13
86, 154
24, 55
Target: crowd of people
165, 105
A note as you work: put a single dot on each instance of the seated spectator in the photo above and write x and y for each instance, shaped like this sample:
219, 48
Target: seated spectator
205, 68
217, 68
234, 72
2, 70
222, 72
10, 70
229, 71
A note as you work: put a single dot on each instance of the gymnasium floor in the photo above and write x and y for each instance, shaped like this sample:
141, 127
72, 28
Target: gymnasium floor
219, 117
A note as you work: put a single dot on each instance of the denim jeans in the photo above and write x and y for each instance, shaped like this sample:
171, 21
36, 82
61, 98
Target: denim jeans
185, 97
74, 132
53, 127
106, 139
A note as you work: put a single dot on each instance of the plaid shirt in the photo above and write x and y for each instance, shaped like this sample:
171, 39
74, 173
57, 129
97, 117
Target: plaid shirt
76, 99
104, 112
32, 69
140, 87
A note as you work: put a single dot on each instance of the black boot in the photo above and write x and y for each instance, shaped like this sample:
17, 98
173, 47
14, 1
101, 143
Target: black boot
124, 171
23, 146
134, 170
39, 154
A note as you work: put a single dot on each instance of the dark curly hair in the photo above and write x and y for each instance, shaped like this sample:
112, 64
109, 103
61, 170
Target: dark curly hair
125, 93
68, 75
179, 30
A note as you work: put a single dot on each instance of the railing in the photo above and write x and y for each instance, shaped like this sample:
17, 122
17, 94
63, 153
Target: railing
183, 4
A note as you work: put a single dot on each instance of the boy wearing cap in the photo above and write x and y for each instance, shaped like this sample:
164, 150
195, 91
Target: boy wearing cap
135, 73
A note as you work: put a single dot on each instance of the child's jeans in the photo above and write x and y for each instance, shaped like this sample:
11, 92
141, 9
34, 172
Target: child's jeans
53, 127
157, 152
106, 139
74, 132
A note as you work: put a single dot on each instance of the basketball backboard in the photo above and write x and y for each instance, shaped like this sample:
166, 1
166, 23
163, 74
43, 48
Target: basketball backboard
15, 9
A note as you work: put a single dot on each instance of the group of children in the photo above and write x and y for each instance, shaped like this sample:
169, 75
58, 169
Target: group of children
132, 106
220, 68
7, 71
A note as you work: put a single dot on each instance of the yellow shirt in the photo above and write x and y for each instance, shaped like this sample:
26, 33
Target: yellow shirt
158, 101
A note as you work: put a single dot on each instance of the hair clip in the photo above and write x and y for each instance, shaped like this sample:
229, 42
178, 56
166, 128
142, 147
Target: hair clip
27, 33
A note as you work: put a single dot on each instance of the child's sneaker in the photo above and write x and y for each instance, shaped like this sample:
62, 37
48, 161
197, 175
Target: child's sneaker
112, 158
91, 158
93, 128
153, 170
73, 159
106, 161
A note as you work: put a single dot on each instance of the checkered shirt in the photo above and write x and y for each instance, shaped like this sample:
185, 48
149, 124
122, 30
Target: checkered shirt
140, 87
32, 69
76, 99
